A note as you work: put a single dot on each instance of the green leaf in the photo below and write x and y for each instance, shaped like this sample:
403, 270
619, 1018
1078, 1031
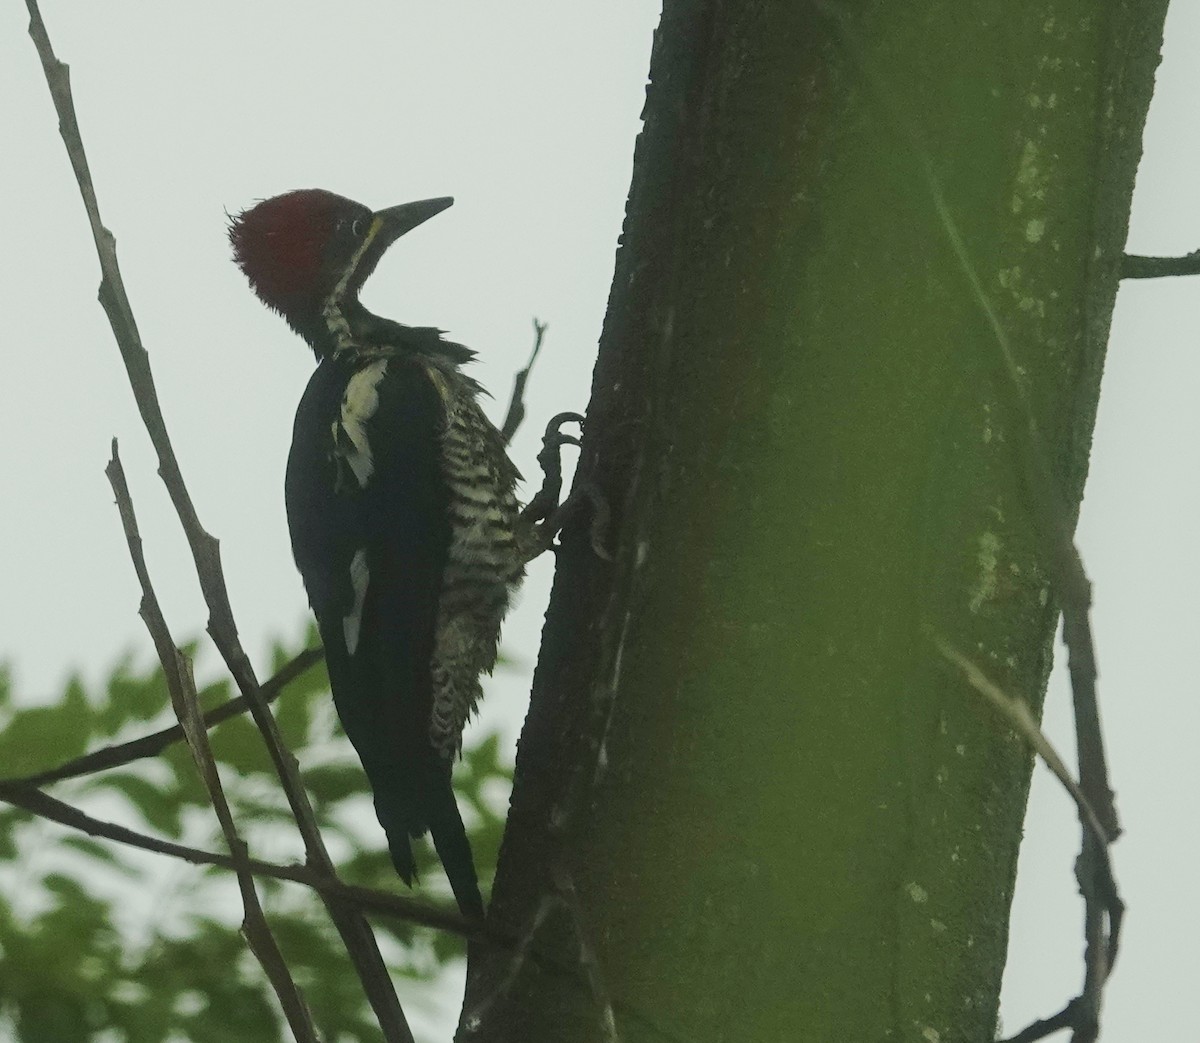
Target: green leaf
134, 697
94, 849
214, 694
160, 807
447, 947
188, 787
5, 683
253, 808
41, 737
293, 714
238, 743
330, 783
67, 889
10, 818
70, 974
50, 1015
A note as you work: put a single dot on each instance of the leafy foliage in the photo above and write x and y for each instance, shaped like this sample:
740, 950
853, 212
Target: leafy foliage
98, 941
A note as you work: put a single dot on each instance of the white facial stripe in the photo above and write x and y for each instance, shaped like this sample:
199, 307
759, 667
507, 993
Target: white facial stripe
352, 267
359, 578
332, 309
359, 403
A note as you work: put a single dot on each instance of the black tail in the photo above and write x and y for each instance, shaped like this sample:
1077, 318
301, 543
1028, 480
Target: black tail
406, 806
387, 721
453, 848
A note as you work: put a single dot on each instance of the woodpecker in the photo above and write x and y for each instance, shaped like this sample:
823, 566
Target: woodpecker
402, 509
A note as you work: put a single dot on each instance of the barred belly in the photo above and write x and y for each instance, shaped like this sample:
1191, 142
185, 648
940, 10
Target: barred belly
484, 561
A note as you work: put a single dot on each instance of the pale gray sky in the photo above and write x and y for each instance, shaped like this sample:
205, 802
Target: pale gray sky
526, 112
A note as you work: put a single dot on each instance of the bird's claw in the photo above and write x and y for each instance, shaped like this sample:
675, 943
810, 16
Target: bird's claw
545, 501
545, 511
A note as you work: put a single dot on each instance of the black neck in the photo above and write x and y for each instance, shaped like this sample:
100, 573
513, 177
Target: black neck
370, 330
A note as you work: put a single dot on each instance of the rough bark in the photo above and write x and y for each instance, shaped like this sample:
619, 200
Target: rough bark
749, 792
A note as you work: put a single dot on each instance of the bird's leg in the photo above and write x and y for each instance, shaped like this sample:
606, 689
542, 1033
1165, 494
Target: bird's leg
545, 501
544, 514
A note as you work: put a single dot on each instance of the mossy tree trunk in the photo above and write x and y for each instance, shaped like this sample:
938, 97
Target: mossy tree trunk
748, 782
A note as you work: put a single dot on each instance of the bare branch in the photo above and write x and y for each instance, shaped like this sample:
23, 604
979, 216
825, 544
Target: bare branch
1016, 711
1065, 1018
1134, 266
588, 959
381, 903
516, 404
472, 1020
1093, 869
354, 930
152, 745
178, 670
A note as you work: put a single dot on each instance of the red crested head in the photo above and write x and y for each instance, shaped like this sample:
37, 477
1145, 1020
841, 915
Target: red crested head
283, 245
308, 252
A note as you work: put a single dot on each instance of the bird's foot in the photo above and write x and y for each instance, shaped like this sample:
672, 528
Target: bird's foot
545, 513
545, 501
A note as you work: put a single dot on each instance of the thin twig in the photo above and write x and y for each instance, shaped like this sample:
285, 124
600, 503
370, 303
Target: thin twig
1065, 1018
1016, 712
152, 745
472, 1021
1134, 266
378, 903
516, 404
1093, 868
177, 669
588, 959
381, 903
354, 930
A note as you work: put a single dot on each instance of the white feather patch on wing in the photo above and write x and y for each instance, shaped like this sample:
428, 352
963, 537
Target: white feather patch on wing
359, 403
359, 578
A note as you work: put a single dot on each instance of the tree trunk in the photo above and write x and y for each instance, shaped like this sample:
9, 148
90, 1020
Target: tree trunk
752, 802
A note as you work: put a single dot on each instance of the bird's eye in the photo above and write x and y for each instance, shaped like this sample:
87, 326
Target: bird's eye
357, 228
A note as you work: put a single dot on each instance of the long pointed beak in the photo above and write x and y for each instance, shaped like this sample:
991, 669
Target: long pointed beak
396, 220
